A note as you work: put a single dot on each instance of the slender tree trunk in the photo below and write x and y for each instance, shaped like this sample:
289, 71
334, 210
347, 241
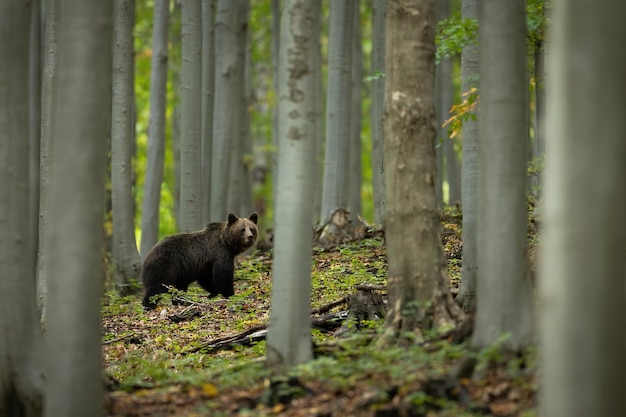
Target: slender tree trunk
354, 169
239, 175
156, 129
469, 173
276, 18
583, 269
289, 336
191, 116
318, 106
82, 121
504, 286
540, 109
125, 255
227, 62
21, 382
208, 79
419, 298
338, 109
34, 91
48, 97
379, 8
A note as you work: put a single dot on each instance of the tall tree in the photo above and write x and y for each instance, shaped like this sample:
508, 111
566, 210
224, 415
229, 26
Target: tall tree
227, 86
379, 8
21, 383
82, 120
338, 109
469, 172
583, 269
289, 336
34, 91
504, 289
239, 174
191, 116
318, 109
48, 97
356, 119
208, 80
156, 129
419, 298
125, 255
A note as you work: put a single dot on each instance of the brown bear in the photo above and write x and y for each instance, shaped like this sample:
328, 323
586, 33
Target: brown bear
206, 256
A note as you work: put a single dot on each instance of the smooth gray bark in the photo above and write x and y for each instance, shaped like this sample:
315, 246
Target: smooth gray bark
125, 254
21, 382
469, 172
318, 106
338, 109
239, 176
504, 289
289, 334
356, 119
191, 117
379, 8
227, 86
208, 80
276, 18
34, 91
582, 272
82, 120
48, 97
419, 298
156, 129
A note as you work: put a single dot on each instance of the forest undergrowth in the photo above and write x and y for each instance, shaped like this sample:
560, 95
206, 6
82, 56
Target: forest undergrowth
163, 362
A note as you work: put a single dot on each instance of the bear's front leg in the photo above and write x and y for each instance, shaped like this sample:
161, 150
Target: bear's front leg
223, 278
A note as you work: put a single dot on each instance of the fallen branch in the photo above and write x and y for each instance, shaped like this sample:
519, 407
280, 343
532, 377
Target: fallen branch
117, 339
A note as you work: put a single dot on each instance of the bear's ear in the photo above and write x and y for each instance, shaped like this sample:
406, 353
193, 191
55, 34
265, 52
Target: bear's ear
254, 217
231, 219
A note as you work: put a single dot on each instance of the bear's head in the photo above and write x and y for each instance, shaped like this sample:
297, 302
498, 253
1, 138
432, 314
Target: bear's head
241, 232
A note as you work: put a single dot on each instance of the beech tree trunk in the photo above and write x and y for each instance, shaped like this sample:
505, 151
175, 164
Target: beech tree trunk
379, 12
289, 335
469, 173
419, 298
503, 287
21, 381
125, 254
338, 109
356, 119
582, 274
208, 86
156, 129
81, 123
191, 117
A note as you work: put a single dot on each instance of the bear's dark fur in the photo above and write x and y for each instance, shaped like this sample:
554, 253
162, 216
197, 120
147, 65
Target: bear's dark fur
206, 256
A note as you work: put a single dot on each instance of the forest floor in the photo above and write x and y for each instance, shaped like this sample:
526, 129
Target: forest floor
165, 362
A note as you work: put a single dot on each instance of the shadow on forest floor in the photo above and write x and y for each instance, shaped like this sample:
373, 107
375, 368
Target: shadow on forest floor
164, 362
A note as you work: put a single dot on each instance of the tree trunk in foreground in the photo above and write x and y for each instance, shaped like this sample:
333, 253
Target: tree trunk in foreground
419, 298
289, 337
582, 275
503, 287
81, 124
21, 381
379, 12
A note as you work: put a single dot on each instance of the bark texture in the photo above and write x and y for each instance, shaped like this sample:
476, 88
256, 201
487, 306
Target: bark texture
156, 129
419, 298
125, 255
379, 12
289, 337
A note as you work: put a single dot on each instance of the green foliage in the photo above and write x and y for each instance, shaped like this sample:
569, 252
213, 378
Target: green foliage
453, 34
